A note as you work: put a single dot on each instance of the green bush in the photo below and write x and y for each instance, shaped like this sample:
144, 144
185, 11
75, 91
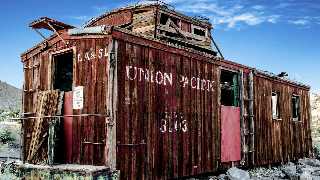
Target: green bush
8, 114
6, 136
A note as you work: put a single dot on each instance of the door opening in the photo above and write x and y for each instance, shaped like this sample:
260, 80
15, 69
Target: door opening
229, 88
62, 80
63, 71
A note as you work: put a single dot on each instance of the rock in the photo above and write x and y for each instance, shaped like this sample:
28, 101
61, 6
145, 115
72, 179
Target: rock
222, 177
237, 174
305, 176
305, 168
212, 178
310, 162
290, 171
316, 172
266, 173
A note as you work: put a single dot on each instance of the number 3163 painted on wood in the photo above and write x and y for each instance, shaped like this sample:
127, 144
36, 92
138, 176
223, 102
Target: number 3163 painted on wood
173, 126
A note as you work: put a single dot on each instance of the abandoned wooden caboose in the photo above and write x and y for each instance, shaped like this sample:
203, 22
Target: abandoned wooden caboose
141, 90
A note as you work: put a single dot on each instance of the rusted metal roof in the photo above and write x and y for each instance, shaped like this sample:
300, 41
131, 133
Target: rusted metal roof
45, 22
103, 29
194, 20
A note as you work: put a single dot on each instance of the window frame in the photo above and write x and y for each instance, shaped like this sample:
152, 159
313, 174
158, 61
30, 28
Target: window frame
278, 107
298, 118
235, 88
52, 61
199, 28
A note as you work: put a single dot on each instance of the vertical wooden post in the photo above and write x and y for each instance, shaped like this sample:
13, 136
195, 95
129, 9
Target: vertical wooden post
251, 117
242, 121
112, 107
22, 140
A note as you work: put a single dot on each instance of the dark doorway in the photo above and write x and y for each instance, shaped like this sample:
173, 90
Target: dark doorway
62, 80
229, 88
63, 71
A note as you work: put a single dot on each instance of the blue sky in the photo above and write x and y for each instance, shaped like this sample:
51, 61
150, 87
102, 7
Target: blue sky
278, 35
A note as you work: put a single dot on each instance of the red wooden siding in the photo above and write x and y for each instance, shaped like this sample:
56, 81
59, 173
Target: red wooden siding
186, 26
88, 132
167, 126
230, 134
165, 130
280, 140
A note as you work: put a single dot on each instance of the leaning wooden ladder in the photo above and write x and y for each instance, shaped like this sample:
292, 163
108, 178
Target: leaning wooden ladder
247, 134
251, 119
45, 106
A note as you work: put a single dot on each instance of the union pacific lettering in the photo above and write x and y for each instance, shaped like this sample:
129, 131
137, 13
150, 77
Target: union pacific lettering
166, 78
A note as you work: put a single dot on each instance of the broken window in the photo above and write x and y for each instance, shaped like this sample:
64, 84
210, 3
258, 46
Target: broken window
295, 107
163, 19
199, 32
229, 88
275, 105
63, 71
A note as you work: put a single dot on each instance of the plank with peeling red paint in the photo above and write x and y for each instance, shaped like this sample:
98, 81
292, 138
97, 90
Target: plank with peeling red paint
230, 134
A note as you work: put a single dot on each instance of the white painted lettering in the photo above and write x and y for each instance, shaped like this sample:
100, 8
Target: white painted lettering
159, 77
134, 72
193, 79
168, 78
100, 53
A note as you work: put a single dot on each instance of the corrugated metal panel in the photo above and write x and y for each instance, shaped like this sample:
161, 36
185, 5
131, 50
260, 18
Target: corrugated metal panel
230, 134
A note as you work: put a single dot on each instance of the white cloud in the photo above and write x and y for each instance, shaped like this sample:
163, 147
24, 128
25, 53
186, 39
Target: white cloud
299, 22
229, 14
247, 18
258, 7
283, 5
273, 19
80, 18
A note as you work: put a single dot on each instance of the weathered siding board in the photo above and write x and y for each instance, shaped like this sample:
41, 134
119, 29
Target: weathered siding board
90, 138
88, 131
230, 134
280, 140
166, 126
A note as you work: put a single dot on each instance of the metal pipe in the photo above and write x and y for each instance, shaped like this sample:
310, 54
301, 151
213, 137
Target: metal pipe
216, 45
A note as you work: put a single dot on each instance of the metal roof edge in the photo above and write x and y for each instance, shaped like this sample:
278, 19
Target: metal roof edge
274, 76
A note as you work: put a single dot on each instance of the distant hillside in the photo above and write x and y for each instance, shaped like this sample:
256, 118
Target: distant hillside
10, 96
315, 111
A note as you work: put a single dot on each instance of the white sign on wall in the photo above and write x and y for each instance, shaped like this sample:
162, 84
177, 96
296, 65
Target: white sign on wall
78, 97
